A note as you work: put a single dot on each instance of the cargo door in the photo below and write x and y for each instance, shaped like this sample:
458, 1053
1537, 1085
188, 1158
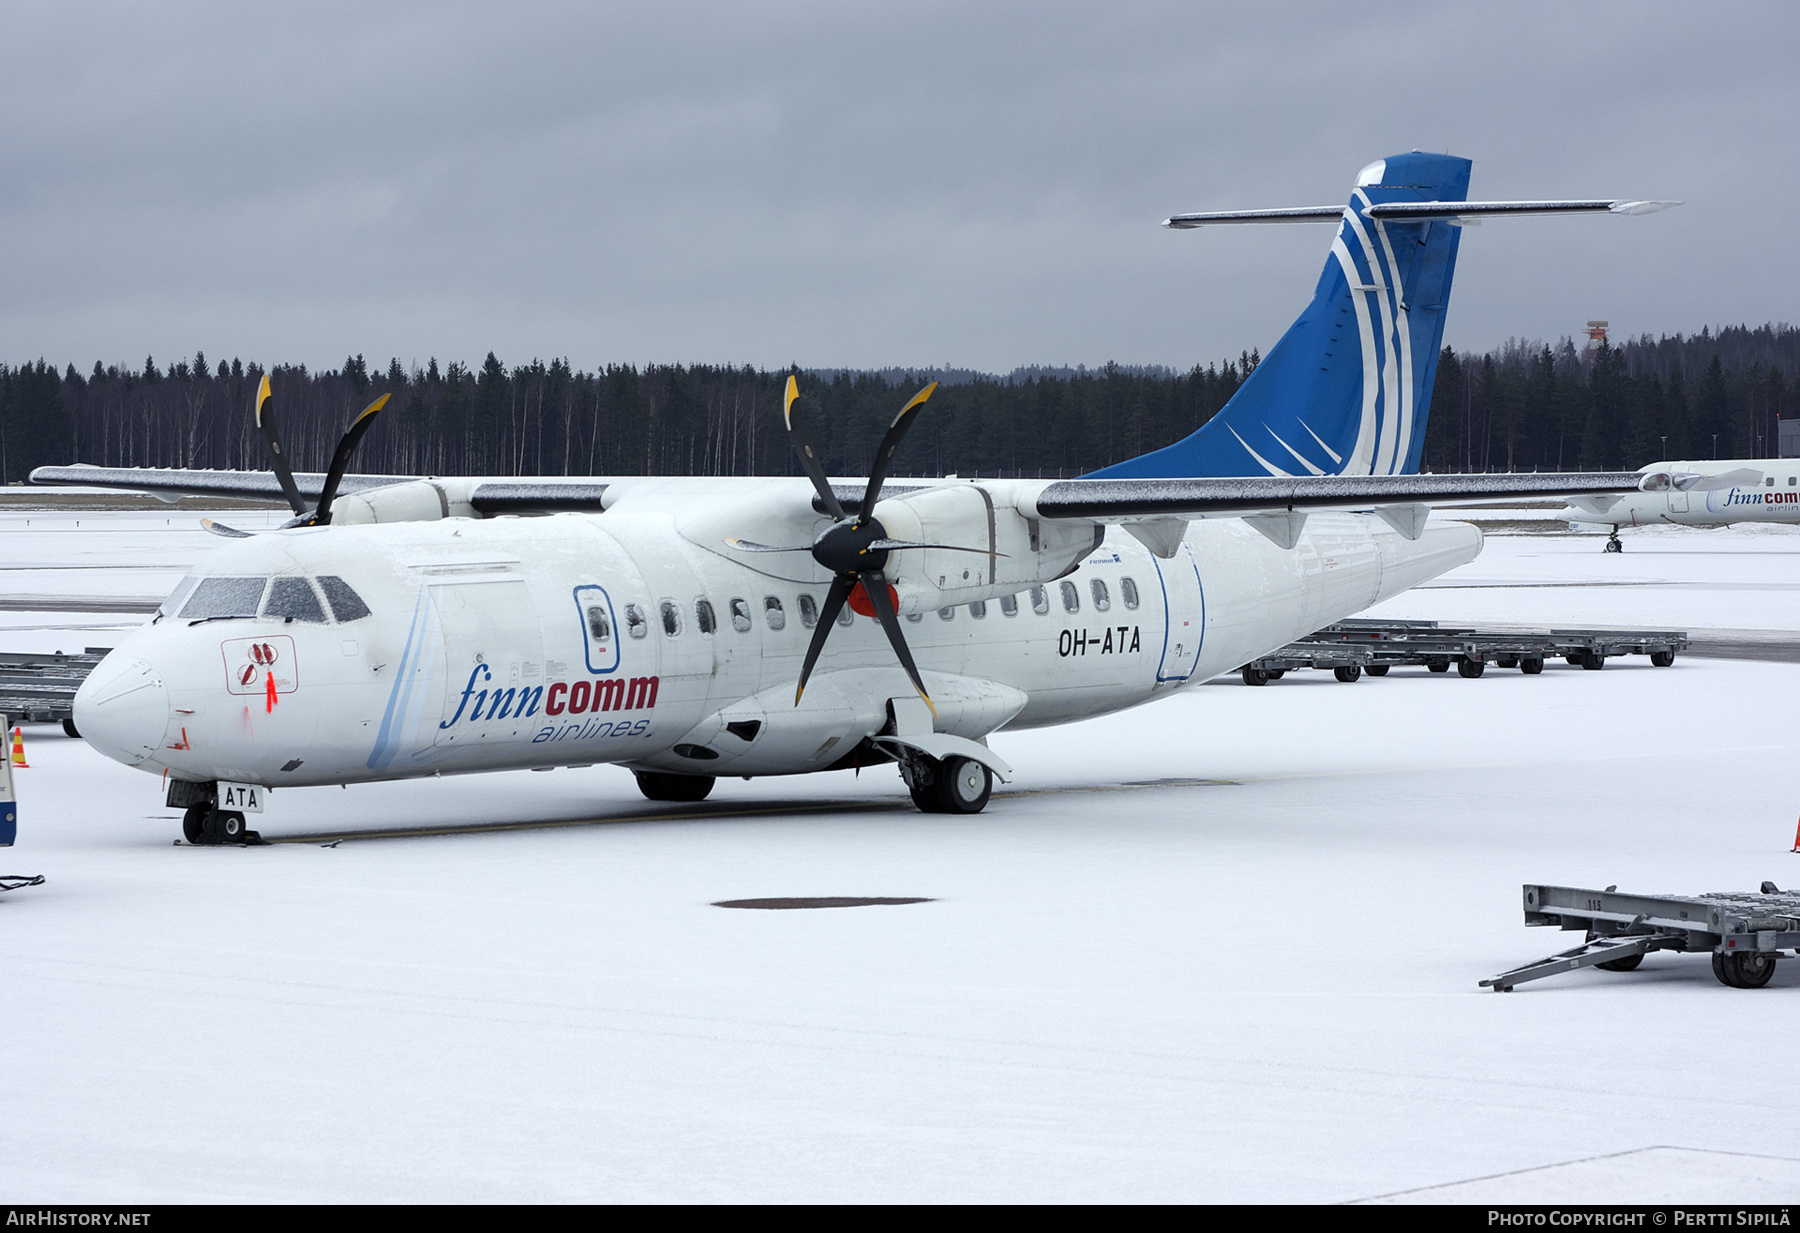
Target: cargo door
493, 663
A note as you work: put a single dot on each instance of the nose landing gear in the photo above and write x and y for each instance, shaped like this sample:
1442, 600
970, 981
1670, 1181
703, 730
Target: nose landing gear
205, 825
1612, 542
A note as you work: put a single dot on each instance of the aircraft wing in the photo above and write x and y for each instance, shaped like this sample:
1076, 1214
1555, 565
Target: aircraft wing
536, 494
1126, 500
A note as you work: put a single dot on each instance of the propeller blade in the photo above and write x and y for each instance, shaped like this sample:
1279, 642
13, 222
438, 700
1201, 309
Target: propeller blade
219, 528
809, 461
265, 421
884, 454
875, 586
841, 586
341, 458
892, 545
744, 545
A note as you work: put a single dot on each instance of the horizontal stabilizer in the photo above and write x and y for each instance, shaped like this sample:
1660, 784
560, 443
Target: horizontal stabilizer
1294, 214
1419, 211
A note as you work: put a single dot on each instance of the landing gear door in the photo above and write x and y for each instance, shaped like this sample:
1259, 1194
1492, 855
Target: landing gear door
1184, 616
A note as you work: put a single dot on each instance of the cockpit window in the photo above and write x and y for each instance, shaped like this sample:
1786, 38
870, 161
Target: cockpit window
294, 600
172, 605
346, 605
224, 597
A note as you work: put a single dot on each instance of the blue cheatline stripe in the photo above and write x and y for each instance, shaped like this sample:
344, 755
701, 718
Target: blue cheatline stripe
384, 750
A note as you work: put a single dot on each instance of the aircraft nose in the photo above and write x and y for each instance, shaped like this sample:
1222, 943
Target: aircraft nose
122, 709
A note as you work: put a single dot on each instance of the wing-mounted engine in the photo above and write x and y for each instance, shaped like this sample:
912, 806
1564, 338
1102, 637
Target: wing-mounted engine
427, 500
978, 544
414, 501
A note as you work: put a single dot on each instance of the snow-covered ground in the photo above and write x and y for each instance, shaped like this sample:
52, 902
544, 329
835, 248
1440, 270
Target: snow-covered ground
1222, 948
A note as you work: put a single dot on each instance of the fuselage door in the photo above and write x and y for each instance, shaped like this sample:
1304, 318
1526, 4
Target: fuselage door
1678, 501
493, 662
1184, 615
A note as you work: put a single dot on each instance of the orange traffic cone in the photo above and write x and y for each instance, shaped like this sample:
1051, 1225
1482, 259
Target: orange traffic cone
1796, 846
18, 750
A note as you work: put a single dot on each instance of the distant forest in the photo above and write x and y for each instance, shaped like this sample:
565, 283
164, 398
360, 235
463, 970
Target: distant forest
1522, 407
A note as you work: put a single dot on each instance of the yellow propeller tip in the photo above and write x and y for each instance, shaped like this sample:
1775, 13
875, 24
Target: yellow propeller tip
787, 406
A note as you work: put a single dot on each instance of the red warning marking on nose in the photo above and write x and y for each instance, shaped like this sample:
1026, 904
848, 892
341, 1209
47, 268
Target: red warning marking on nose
254, 665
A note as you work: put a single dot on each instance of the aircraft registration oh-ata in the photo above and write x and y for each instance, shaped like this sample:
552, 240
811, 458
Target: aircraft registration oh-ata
693, 628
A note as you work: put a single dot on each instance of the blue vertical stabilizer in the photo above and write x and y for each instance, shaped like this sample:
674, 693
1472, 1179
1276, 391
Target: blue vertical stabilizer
1347, 389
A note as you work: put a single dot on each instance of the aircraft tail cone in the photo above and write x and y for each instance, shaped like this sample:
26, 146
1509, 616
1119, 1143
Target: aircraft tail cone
18, 748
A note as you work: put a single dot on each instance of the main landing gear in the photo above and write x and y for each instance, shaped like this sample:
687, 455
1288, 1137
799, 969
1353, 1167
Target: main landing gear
1612, 542
953, 785
206, 825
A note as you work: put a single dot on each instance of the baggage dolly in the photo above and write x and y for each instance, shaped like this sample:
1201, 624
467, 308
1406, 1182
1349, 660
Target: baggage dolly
40, 689
1352, 648
1745, 933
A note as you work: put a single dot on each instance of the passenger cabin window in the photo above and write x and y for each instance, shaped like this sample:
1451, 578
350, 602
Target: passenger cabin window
915, 617
946, 614
846, 616
599, 626
671, 618
596, 611
740, 615
1009, 605
773, 616
978, 609
1129, 593
1071, 598
293, 599
1769, 480
703, 616
1791, 480
1102, 599
635, 623
809, 611
346, 604
224, 597
1040, 600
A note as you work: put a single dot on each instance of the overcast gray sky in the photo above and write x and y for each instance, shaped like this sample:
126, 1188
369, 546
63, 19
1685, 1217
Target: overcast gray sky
856, 184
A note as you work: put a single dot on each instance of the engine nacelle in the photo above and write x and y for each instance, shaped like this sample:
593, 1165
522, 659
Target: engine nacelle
1015, 552
424, 500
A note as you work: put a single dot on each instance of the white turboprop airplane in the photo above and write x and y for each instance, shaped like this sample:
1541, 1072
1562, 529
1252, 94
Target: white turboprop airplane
692, 628
1695, 494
